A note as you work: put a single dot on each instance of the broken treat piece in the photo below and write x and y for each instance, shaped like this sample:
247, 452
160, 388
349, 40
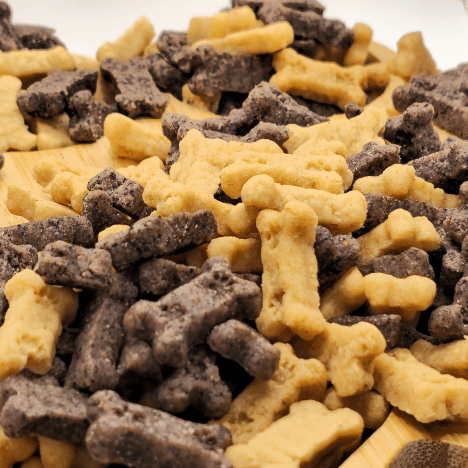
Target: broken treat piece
352, 110
66, 264
75, 230
222, 71
167, 77
46, 410
241, 343
155, 236
87, 117
197, 383
174, 47
184, 317
149, 434
446, 92
97, 348
51, 96
159, 276
137, 95
413, 132
430, 453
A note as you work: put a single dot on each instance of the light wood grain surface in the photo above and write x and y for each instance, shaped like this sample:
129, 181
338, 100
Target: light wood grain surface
375, 452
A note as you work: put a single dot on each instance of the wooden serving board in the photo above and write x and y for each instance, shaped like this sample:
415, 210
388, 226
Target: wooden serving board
375, 452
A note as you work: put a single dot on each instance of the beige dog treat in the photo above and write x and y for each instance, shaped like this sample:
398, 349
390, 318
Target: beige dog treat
201, 101
28, 63
33, 322
265, 401
402, 296
83, 460
384, 101
52, 133
143, 171
130, 44
34, 205
380, 53
341, 214
326, 82
357, 53
112, 230
260, 40
221, 24
412, 58
345, 296
14, 133
236, 175
244, 255
371, 405
289, 284
353, 133
15, 450
241, 220
67, 188
302, 438
399, 232
426, 393
347, 353
56, 453
448, 358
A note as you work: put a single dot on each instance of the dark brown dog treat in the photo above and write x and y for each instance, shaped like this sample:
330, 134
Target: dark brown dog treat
301, 5
51, 95
98, 209
307, 23
237, 341
73, 229
450, 322
221, 71
319, 108
426, 453
335, 254
412, 261
8, 38
156, 236
46, 410
54, 376
388, 324
65, 264
196, 384
86, 117
137, 435
65, 346
463, 193
409, 335
307, 47
373, 159
34, 37
352, 110
159, 276
183, 318
453, 266
136, 93
107, 180
2, 160
167, 77
174, 47
97, 349
413, 132
456, 224
446, 92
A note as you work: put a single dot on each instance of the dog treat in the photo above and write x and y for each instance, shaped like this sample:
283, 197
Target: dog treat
352, 110
174, 47
8, 36
130, 44
137, 94
429, 453
157, 236
32, 36
167, 77
237, 341
46, 410
413, 132
94, 362
150, 435
185, 316
75, 230
456, 225
439, 396
159, 276
445, 92
51, 96
309, 433
56, 453
15, 450
452, 269
197, 383
265, 401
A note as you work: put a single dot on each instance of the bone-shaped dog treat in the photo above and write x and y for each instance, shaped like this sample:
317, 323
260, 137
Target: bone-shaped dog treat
167, 77
151, 435
184, 317
174, 47
51, 96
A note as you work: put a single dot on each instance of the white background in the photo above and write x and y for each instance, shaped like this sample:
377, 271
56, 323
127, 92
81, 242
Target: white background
83, 25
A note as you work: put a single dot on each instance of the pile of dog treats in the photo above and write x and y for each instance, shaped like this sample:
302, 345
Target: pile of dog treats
281, 262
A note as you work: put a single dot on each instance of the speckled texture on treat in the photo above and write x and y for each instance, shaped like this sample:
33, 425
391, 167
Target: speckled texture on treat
167, 77
184, 317
8, 37
352, 110
33, 37
51, 95
174, 47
